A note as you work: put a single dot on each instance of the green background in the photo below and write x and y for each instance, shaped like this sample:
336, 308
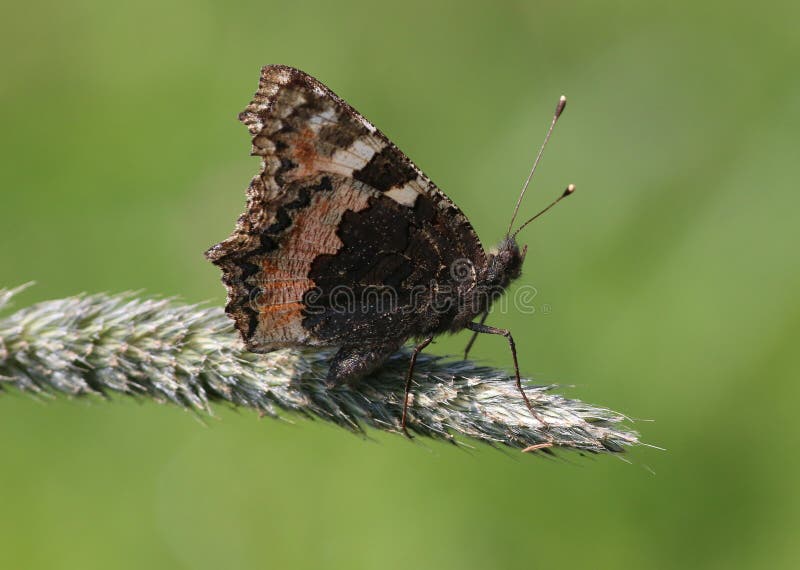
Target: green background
671, 277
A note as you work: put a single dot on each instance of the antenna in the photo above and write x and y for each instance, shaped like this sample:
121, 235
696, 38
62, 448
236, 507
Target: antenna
569, 190
562, 102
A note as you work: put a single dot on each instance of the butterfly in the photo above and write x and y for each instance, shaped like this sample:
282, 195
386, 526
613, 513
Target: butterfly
346, 243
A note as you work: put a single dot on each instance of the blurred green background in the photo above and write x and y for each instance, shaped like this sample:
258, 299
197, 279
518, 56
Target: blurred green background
671, 277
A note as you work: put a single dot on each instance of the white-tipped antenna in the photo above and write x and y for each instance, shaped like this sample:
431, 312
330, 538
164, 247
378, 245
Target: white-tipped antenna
569, 190
562, 102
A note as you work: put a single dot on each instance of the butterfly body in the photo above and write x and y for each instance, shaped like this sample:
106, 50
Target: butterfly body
345, 242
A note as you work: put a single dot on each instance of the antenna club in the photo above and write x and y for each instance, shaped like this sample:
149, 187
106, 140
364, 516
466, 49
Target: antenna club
562, 103
569, 190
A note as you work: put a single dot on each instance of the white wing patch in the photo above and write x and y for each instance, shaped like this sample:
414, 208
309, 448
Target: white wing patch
405, 195
357, 155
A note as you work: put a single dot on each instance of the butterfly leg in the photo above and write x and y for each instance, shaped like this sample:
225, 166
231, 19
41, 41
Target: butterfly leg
474, 336
410, 375
481, 328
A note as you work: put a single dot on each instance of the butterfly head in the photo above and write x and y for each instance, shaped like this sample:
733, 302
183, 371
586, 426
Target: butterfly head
505, 264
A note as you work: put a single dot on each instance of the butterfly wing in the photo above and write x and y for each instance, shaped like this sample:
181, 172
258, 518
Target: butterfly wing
336, 209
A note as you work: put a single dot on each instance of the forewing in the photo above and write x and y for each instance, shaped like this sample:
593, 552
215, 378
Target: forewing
335, 206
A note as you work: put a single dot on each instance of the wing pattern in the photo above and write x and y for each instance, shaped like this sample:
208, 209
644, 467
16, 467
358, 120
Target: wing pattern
335, 208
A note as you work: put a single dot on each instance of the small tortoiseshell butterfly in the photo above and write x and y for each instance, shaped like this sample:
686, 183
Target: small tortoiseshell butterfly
346, 243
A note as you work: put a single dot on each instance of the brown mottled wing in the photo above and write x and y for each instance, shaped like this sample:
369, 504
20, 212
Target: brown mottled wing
335, 203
